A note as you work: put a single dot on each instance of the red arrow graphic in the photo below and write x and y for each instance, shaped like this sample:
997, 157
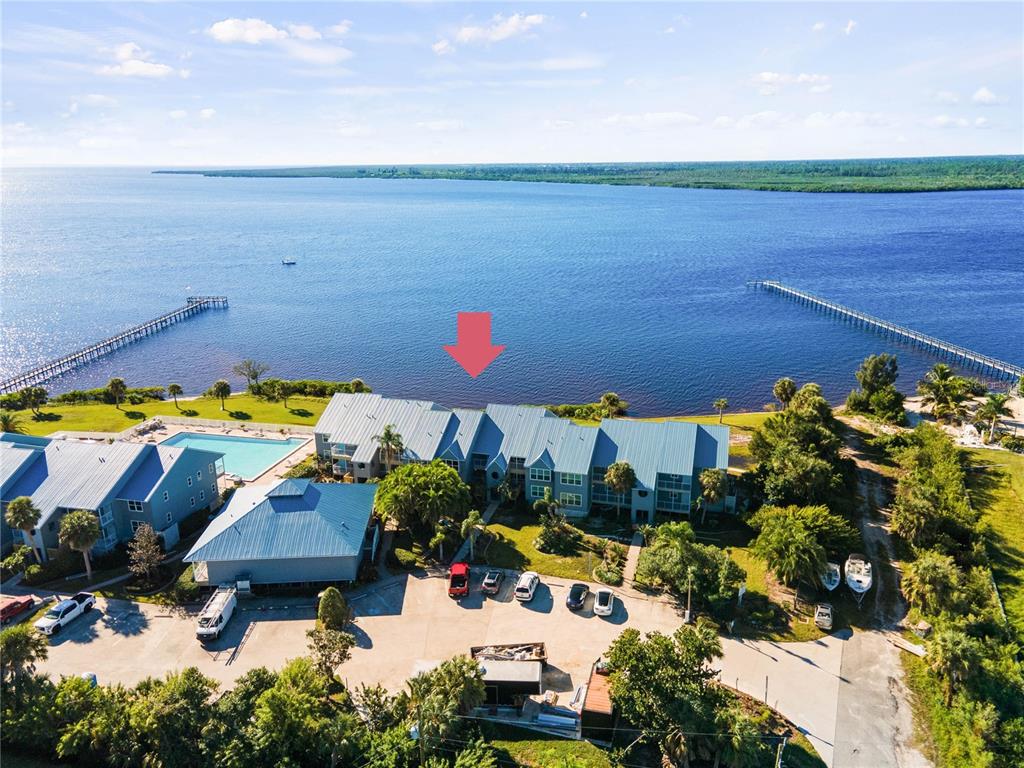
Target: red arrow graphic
474, 351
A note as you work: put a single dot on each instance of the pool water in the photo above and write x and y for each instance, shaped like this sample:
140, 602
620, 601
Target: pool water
247, 457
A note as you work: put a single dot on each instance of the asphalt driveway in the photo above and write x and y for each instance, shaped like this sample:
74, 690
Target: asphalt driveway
406, 624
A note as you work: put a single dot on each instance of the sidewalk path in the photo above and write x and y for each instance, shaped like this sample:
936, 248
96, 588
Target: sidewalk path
463, 552
633, 557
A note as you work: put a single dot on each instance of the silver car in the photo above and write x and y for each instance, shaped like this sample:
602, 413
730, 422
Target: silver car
823, 616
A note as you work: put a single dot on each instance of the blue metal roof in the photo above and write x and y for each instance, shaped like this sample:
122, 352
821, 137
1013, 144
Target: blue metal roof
649, 447
14, 459
157, 462
295, 519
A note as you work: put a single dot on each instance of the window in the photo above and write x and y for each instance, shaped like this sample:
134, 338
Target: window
202, 495
213, 488
211, 469
540, 474
571, 499
189, 480
516, 463
451, 463
170, 518
136, 524
135, 506
568, 478
105, 517
479, 462
199, 474
537, 491
191, 501
167, 496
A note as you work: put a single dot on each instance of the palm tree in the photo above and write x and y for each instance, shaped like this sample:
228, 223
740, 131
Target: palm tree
391, 445
952, 655
80, 530
22, 515
285, 389
174, 390
11, 422
793, 555
222, 389
784, 390
358, 385
440, 534
992, 410
713, 488
117, 389
620, 479
930, 581
469, 529
720, 405
613, 404
944, 392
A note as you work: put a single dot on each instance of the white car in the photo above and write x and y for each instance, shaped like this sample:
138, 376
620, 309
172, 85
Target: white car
604, 602
526, 586
64, 612
823, 616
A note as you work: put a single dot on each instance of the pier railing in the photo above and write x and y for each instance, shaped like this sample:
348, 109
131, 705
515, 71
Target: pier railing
65, 363
966, 357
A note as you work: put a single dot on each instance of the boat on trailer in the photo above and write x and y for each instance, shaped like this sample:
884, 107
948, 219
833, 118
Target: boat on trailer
858, 573
288, 262
831, 577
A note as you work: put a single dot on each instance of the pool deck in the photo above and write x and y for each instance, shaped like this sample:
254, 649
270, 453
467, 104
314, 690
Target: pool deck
274, 472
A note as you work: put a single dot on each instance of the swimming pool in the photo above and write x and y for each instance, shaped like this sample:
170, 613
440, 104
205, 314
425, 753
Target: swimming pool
247, 457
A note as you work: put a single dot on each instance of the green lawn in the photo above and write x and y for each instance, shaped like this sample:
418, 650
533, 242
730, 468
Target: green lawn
997, 491
513, 548
100, 417
519, 746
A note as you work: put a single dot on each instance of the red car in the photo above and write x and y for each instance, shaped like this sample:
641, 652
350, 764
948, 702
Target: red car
458, 580
14, 606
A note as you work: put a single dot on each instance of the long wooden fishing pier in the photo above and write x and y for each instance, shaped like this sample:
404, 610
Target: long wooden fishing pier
53, 368
954, 352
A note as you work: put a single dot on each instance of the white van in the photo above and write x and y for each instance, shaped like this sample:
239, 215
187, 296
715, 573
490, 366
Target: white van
216, 613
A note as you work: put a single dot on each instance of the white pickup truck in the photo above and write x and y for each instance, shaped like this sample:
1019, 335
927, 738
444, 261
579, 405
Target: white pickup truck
64, 612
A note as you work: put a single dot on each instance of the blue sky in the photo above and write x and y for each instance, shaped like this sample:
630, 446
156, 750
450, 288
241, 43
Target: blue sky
267, 83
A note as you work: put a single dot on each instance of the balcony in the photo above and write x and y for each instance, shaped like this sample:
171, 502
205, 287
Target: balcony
340, 452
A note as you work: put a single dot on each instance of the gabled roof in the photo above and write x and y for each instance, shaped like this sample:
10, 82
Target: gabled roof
561, 445
461, 434
355, 419
517, 425
156, 463
295, 519
14, 459
649, 447
74, 475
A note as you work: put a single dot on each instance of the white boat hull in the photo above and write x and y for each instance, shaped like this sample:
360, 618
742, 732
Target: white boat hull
831, 578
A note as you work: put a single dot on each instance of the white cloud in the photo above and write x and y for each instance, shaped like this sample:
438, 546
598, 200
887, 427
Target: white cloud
668, 31
443, 47
303, 31
822, 88
946, 97
297, 41
723, 121
177, 114
97, 100
207, 113
818, 26
500, 28
945, 121
134, 62
341, 28
982, 122
128, 51
766, 119
138, 68
845, 119
315, 54
570, 63
984, 96
850, 26
251, 31
771, 83
583, 14
440, 126
558, 125
652, 119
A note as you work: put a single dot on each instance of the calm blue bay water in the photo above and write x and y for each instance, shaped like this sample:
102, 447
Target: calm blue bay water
637, 290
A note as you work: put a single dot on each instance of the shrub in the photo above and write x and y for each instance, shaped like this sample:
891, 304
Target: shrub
307, 468
857, 401
63, 564
557, 535
33, 574
184, 590
333, 612
404, 558
608, 574
1013, 443
17, 561
135, 396
193, 523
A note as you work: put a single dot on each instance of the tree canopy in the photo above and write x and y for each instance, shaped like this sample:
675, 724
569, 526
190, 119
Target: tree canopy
419, 495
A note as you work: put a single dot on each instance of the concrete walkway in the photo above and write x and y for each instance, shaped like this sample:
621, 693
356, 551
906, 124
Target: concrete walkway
633, 557
463, 552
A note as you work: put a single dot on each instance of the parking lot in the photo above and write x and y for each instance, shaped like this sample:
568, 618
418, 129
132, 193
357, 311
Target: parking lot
406, 624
